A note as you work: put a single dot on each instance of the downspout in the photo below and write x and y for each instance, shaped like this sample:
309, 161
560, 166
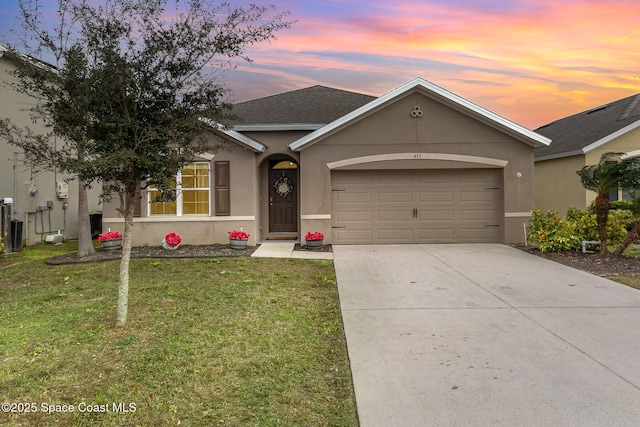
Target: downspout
15, 187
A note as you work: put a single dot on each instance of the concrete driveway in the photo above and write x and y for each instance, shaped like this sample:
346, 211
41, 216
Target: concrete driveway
479, 335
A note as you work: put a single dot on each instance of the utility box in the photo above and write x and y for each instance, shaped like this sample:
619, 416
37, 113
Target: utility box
62, 188
16, 235
95, 219
54, 239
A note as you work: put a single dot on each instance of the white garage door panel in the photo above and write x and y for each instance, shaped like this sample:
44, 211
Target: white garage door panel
435, 196
353, 236
430, 206
469, 196
353, 197
395, 236
476, 215
436, 215
393, 215
395, 198
436, 236
356, 216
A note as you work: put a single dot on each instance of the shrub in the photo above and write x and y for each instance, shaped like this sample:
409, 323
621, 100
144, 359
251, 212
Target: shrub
619, 222
551, 233
1, 246
585, 221
622, 204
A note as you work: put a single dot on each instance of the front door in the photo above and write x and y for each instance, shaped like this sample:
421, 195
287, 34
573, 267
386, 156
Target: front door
283, 200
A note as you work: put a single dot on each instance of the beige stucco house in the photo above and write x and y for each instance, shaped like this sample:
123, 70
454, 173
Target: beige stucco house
418, 164
580, 140
45, 201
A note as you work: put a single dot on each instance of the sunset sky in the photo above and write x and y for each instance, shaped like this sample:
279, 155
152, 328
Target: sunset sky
531, 61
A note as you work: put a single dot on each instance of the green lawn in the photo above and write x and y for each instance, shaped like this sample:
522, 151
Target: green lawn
210, 342
631, 279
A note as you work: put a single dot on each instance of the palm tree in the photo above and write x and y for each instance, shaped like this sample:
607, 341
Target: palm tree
614, 170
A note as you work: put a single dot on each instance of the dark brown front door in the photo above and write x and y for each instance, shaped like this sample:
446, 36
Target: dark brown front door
283, 200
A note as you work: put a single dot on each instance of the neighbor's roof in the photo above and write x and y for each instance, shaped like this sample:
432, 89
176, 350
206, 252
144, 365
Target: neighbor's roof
442, 95
35, 61
585, 131
303, 109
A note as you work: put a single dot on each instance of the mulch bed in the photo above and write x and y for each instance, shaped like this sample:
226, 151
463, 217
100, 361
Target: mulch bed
216, 250
595, 263
323, 248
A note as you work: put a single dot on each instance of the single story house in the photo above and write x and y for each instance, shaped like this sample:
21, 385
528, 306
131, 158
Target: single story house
418, 164
580, 140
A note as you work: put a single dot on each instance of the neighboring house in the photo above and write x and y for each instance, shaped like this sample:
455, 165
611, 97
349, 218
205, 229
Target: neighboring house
37, 201
416, 165
580, 140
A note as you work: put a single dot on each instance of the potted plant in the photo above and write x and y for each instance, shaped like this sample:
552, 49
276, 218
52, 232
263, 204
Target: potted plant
171, 241
238, 239
314, 240
111, 240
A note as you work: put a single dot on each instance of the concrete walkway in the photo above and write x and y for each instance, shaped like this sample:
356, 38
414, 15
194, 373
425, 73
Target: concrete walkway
284, 249
486, 335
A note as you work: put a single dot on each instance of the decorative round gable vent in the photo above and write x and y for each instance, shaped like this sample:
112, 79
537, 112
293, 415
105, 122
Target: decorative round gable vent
417, 112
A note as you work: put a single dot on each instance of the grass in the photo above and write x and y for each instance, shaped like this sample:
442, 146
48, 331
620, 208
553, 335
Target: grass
209, 342
631, 279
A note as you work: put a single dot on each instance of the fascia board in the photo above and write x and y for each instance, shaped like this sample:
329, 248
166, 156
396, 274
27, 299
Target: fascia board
298, 144
279, 127
27, 58
599, 143
251, 143
558, 156
525, 134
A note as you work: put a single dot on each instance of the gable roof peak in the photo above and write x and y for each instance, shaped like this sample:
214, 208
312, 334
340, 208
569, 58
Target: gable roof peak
436, 92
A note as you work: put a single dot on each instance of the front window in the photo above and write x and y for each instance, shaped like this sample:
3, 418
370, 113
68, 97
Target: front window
189, 194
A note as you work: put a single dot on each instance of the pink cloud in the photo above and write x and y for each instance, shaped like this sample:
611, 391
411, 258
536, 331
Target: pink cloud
533, 65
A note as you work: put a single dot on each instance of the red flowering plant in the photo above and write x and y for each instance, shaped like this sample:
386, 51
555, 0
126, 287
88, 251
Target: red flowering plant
111, 235
173, 239
316, 235
238, 235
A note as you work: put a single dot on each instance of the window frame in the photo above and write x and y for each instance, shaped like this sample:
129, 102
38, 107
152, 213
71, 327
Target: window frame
179, 194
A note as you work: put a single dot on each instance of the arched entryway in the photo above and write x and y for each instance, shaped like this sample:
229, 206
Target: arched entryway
283, 196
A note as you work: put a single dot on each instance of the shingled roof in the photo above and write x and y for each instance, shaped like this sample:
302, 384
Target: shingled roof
579, 133
317, 105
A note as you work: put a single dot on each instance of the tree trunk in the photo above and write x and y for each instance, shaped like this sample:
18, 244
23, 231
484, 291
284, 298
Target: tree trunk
632, 236
85, 243
127, 208
602, 212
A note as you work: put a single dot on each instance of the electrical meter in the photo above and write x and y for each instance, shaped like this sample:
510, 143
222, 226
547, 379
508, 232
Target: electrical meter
62, 188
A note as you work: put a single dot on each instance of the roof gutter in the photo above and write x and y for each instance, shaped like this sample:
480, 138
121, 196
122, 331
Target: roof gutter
279, 127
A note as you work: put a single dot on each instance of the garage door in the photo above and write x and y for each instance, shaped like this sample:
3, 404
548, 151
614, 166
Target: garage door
425, 206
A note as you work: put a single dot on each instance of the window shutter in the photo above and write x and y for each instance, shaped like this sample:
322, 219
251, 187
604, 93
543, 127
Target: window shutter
222, 187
